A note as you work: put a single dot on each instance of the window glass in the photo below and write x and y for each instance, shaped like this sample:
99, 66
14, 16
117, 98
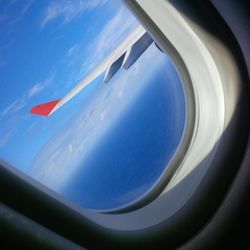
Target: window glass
109, 145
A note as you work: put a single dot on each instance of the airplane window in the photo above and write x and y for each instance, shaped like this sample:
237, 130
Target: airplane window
90, 105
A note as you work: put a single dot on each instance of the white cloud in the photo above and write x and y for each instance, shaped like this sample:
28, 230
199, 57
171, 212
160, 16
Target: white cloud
68, 10
16, 105
72, 50
11, 2
35, 89
111, 35
70, 149
21, 101
114, 32
102, 115
23, 9
38, 87
14, 118
26, 6
7, 136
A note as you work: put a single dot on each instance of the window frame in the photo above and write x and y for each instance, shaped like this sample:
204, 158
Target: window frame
87, 227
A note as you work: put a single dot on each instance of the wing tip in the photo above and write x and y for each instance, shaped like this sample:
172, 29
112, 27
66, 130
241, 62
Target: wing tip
45, 108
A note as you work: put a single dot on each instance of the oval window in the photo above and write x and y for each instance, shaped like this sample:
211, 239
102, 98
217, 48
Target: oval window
90, 106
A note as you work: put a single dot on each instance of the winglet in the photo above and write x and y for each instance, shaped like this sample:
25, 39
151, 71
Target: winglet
45, 108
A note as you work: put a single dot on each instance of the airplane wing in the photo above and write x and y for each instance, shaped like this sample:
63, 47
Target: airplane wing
125, 54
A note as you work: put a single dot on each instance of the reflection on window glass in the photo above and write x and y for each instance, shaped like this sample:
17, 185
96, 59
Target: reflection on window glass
109, 143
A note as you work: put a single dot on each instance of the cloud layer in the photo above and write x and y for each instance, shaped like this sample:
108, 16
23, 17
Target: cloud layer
68, 10
21, 101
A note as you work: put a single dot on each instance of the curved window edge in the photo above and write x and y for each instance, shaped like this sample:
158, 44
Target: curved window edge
109, 226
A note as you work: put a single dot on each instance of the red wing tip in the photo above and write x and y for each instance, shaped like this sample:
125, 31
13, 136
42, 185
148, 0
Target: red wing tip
45, 108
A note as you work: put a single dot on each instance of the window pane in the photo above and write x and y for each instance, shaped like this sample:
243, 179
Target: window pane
109, 145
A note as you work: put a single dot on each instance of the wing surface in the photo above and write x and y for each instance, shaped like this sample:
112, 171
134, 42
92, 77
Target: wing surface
50, 107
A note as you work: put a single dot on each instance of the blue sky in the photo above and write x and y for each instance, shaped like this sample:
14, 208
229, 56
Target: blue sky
46, 47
